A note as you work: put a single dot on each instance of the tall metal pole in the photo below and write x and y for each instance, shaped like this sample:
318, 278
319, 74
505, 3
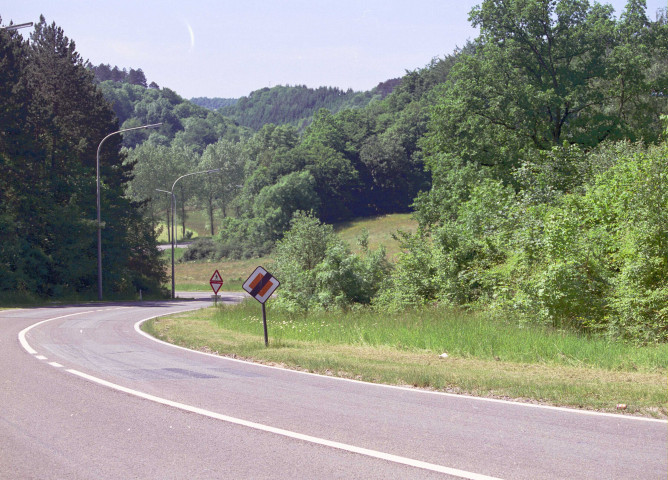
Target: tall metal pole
174, 219
99, 223
171, 209
173, 242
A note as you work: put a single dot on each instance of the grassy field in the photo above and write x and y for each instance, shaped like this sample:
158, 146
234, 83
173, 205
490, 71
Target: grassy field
197, 224
380, 231
192, 276
485, 357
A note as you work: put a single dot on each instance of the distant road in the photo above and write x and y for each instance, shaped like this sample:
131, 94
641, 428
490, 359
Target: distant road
178, 245
86, 395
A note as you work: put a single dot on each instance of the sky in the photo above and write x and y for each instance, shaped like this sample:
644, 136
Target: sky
223, 48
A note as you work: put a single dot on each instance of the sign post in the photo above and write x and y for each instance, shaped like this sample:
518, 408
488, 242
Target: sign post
216, 283
260, 285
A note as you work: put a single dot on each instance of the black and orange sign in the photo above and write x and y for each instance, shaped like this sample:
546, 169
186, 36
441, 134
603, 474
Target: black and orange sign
261, 284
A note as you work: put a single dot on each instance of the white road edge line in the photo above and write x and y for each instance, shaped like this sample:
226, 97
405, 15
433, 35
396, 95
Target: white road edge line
287, 433
397, 387
22, 334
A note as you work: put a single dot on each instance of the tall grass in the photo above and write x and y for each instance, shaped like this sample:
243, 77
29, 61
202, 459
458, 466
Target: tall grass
457, 333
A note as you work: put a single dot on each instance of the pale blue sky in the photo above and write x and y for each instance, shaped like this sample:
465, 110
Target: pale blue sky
229, 48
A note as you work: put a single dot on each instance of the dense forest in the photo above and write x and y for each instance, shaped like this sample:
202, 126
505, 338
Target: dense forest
533, 158
213, 103
52, 118
296, 105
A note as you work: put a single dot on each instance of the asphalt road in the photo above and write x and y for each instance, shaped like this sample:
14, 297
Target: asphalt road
86, 395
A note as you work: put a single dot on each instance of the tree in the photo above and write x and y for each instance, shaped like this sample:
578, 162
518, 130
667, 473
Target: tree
18, 146
540, 74
154, 168
318, 270
185, 160
49, 162
276, 204
137, 77
102, 72
218, 189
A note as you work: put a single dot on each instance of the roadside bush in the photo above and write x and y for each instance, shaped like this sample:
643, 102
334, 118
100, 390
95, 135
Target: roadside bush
201, 249
588, 253
319, 271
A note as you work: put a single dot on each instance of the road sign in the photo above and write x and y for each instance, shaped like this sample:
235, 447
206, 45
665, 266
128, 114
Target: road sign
216, 282
261, 284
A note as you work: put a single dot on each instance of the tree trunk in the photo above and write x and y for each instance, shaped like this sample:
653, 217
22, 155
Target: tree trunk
211, 215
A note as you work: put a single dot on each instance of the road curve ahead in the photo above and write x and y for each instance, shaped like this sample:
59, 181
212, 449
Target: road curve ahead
86, 395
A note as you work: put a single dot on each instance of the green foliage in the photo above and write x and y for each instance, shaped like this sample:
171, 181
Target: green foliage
318, 270
591, 255
276, 204
214, 103
527, 83
201, 249
532, 208
136, 105
53, 120
291, 105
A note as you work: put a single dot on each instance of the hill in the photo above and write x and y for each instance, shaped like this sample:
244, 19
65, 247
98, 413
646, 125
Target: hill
296, 105
214, 103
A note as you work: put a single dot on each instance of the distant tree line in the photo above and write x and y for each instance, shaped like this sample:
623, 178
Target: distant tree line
182, 120
296, 105
104, 72
362, 160
214, 103
357, 162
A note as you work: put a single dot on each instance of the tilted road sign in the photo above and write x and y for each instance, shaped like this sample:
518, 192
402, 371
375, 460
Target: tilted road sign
261, 284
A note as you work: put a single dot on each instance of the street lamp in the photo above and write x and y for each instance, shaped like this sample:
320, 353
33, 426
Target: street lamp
171, 209
99, 224
17, 26
174, 217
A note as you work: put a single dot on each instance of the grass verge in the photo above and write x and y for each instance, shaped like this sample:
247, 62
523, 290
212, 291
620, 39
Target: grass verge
193, 276
485, 357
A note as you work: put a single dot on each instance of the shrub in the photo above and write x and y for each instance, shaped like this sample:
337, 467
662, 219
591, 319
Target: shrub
201, 249
317, 269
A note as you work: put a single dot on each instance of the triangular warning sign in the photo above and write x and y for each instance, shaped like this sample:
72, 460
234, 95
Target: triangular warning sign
216, 282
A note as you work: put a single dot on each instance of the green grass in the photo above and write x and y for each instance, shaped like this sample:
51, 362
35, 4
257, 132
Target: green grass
485, 356
193, 276
167, 255
197, 223
163, 238
380, 228
458, 333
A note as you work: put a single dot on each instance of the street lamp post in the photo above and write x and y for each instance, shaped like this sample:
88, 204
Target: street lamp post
174, 217
17, 26
171, 209
99, 224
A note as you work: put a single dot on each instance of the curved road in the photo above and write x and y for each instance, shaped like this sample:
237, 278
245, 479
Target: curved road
85, 395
